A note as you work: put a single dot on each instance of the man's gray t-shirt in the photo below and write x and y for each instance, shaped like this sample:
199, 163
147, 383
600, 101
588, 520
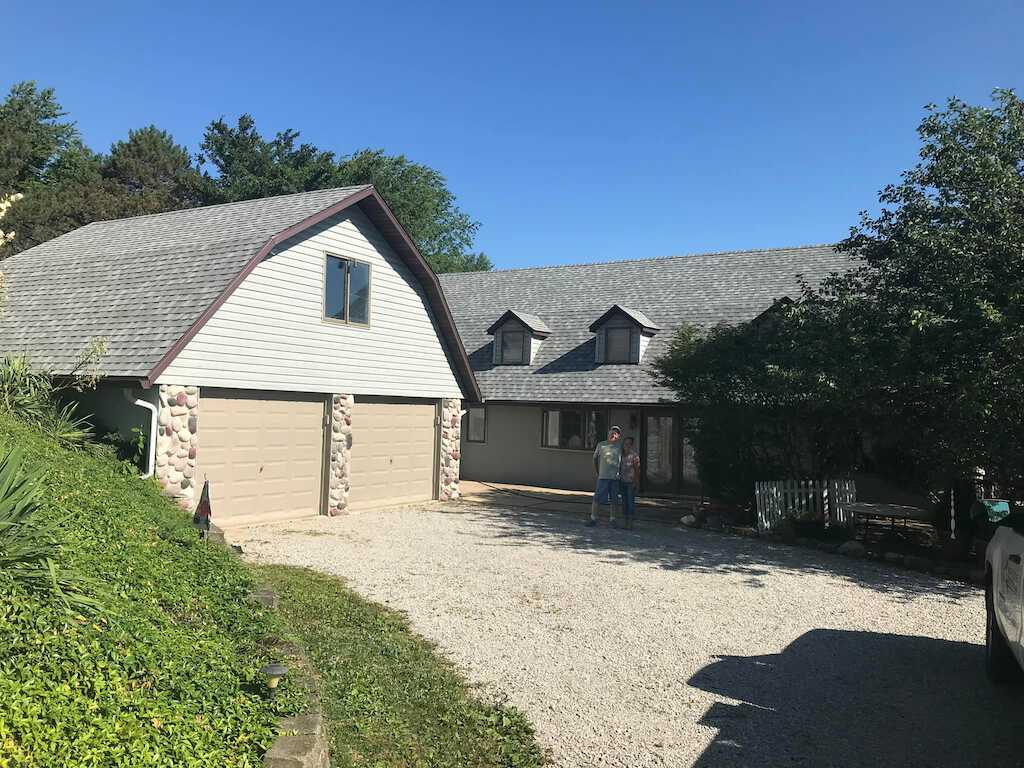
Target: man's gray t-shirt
608, 455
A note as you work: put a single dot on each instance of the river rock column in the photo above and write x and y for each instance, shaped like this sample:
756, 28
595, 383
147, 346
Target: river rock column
341, 446
451, 428
178, 442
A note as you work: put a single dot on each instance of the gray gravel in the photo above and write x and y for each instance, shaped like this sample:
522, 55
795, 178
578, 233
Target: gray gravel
677, 647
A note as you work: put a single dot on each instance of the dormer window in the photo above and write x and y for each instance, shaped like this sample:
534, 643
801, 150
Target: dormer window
513, 347
622, 336
617, 343
517, 338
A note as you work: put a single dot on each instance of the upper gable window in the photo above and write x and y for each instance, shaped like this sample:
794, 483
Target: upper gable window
347, 290
514, 347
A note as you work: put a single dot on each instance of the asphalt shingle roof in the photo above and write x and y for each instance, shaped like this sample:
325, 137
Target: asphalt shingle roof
705, 289
139, 282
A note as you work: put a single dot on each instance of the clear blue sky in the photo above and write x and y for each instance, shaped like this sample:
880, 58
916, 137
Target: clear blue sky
571, 131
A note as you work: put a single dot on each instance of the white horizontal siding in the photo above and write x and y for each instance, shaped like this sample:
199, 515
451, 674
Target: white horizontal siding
270, 333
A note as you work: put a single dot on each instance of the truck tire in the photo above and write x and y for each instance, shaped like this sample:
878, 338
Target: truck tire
1000, 663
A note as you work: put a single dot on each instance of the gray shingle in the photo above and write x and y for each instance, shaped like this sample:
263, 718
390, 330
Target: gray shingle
705, 290
139, 282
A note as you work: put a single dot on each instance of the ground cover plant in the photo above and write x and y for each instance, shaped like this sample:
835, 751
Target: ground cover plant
164, 669
388, 698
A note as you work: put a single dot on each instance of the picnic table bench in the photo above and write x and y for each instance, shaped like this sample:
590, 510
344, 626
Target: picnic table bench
866, 511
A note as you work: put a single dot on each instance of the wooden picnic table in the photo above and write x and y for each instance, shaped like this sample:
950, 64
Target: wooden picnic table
867, 511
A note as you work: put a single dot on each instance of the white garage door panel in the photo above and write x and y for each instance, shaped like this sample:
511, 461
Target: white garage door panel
393, 447
262, 453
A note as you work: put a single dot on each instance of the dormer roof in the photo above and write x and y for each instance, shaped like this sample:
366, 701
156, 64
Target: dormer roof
646, 324
536, 326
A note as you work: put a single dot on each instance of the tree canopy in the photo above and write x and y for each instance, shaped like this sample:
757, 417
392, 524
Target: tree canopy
63, 184
911, 364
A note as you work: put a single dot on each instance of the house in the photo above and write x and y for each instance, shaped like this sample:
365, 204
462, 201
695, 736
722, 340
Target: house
296, 351
561, 353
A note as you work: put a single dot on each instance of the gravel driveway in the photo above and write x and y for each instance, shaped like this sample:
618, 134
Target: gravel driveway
676, 647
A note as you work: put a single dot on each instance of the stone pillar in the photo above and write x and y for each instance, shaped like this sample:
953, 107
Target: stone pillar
341, 445
451, 428
177, 442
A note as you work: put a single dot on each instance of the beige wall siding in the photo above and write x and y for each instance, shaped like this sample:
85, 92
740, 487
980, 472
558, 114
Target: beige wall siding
512, 453
270, 333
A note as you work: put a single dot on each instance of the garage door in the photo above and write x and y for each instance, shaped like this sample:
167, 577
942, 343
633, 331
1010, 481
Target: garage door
263, 454
393, 445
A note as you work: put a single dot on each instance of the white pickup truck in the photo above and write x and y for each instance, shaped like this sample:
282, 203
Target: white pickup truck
1004, 603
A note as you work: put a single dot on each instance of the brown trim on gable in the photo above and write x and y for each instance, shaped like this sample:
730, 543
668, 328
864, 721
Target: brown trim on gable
373, 205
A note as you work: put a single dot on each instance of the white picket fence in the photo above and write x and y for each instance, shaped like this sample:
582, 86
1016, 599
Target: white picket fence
823, 500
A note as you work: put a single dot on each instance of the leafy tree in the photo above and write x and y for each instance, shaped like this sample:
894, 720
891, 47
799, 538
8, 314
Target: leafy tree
421, 200
943, 276
248, 166
154, 173
916, 353
32, 135
148, 173
759, 408
71, 193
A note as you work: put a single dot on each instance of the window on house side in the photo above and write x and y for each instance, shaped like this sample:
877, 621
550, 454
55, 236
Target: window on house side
513, 347
347, 291
476, 425
616, 345
573, 428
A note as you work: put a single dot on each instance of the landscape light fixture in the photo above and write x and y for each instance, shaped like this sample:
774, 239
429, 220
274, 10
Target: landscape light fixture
273, 672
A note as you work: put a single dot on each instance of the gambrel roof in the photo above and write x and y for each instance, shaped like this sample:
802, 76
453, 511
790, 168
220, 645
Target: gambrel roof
147, 284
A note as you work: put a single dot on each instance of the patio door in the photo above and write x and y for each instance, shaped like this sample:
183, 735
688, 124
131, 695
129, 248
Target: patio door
659, 453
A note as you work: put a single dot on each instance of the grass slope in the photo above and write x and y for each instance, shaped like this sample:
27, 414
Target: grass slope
167, 673
388, 698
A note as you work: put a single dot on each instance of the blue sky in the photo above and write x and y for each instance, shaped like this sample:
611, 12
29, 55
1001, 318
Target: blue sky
571, 131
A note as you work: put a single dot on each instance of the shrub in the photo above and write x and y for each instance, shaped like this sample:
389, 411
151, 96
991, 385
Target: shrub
29, 548
32, 396
168, 672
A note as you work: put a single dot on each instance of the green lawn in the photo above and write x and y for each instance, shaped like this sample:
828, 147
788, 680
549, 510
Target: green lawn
388, 698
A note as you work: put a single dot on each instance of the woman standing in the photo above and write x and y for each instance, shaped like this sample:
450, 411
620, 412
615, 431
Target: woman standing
629, 470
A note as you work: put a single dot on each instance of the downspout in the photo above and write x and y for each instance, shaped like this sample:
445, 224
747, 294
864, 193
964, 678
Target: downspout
153, 424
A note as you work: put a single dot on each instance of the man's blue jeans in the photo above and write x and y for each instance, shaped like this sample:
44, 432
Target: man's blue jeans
607, 492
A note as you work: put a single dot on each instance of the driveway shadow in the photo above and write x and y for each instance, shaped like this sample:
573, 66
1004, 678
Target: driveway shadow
843, 699
686, 549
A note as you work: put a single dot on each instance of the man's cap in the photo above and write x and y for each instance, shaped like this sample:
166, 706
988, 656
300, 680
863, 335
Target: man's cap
614, 428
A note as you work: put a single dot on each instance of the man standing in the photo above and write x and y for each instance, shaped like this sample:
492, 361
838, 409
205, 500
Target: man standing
607, 457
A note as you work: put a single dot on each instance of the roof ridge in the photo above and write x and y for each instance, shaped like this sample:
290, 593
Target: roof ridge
647, 259
355, 188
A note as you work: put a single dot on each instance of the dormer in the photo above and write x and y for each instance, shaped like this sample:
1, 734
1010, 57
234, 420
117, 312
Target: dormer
517, 338
622, 336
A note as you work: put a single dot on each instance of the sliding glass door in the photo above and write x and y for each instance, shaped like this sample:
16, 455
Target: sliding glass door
659, 452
